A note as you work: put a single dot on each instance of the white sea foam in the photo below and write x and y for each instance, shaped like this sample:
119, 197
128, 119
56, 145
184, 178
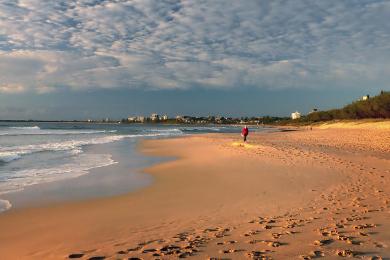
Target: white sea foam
163, 132
203, 128
5, 205
18, 180
172, 130
7, 157
24, 127
10, 153
35, 130
7, 154
77, 164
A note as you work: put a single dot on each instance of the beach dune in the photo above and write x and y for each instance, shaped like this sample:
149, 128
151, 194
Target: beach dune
297, 194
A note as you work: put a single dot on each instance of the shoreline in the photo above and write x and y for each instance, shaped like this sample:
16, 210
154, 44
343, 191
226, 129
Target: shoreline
56, 191
121, 177
211, 191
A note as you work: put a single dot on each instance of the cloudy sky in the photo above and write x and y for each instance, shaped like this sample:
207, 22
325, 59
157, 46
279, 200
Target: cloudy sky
91, 58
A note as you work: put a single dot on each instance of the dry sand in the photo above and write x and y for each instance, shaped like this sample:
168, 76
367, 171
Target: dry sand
357, 124
299, 194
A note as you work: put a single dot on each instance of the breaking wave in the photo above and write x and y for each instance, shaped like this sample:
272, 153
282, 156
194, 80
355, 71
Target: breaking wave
36, 130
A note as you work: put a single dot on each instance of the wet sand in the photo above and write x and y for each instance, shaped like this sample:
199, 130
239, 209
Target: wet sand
122, 177
291, 195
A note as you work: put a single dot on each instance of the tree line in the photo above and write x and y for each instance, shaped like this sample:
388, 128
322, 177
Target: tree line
375, 107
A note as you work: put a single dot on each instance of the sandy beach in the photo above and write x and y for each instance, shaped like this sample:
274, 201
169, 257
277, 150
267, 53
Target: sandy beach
286, 195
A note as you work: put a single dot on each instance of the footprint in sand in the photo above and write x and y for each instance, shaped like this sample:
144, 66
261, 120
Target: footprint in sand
323, 242
252, 233
274, 243
354, 242
314, 254
347, 253
134, 249
75, 256
258, 254
151, 250
379, 245
364, 226
326, 233
317, 253
231, 250
339, 225
276, 235
376, 258
269, 227
343, 238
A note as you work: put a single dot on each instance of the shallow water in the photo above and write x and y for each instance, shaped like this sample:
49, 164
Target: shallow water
32, 154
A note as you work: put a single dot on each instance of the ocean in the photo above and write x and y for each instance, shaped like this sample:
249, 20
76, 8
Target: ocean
35, 153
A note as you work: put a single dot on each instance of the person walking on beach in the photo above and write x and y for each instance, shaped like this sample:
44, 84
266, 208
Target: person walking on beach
245, 132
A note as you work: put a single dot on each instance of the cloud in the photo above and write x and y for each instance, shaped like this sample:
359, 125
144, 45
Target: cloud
173, 44
11, 88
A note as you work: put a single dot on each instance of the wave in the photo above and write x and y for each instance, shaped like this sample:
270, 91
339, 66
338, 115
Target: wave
166, 131
206, 129
35, 130
8, 157
18, 180
8, 154
79, 163
25, 127
5, 205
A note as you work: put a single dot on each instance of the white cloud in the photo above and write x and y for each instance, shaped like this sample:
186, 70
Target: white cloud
170, 44
11, 88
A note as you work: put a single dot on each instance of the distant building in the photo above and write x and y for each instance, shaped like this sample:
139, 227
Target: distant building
185, 119
140, 119
164, 118
154, 117
366, 97
132, 119
295, 115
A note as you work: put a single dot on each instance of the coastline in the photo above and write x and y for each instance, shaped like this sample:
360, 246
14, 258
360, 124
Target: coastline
213, 188
121, 177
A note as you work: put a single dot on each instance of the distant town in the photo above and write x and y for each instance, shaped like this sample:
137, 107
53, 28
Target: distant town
364, 107
182, 119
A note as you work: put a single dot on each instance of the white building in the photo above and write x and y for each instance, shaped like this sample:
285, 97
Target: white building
366, 97
295, 115
164, 118
154, 117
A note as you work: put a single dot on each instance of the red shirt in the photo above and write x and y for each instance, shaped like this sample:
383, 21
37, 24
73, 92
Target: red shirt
245, 131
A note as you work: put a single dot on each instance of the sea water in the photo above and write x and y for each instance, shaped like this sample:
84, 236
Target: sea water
36, 153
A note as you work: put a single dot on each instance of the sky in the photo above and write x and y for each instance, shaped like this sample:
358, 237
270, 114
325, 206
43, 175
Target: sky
77, 59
